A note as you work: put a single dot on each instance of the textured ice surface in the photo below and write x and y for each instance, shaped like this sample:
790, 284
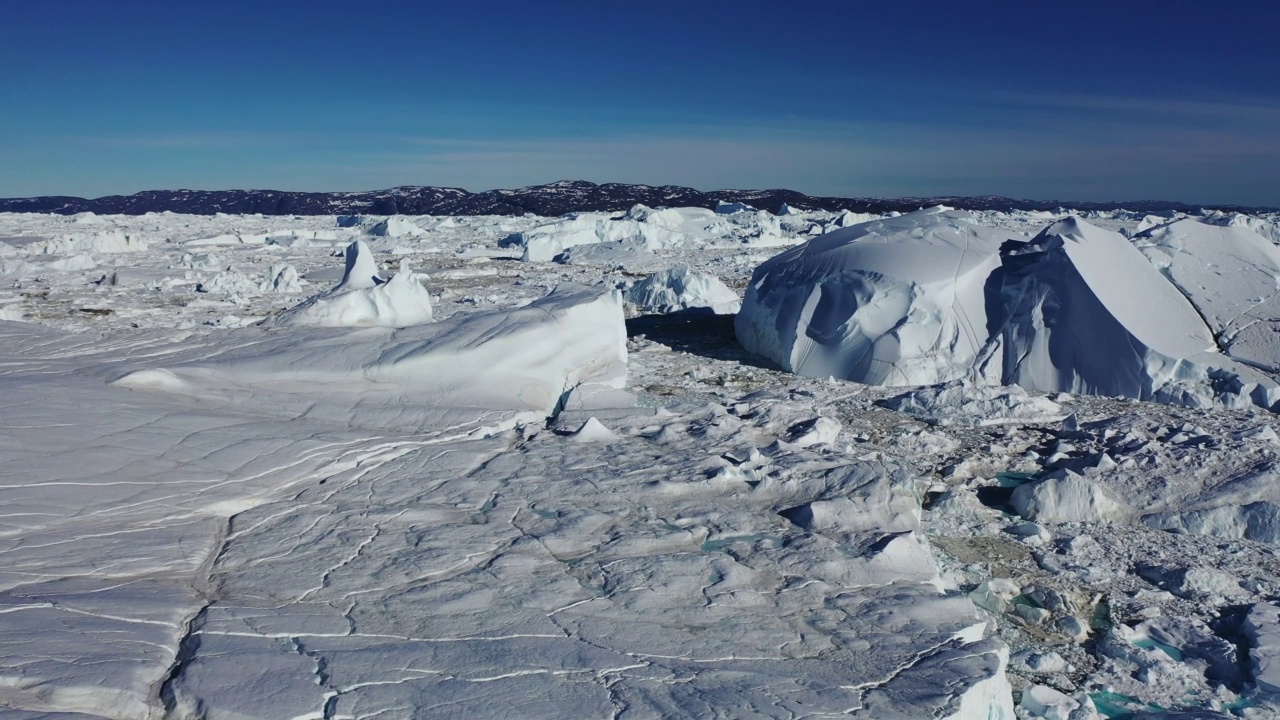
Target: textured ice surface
966, 404
268, 560
1262, 628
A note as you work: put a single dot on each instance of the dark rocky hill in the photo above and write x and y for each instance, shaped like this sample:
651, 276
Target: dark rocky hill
551, 199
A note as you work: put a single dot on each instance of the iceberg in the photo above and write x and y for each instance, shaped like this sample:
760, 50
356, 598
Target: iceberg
900, 301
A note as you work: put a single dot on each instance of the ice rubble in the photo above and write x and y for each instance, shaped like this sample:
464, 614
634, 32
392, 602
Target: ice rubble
932, 297
108, 242
282, 279
363, 299
963, 404
652, 229
682, 288
288, 533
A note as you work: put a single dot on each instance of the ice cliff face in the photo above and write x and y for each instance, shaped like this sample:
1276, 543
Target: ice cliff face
931, 297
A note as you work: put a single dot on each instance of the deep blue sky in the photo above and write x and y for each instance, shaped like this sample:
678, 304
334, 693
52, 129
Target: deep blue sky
1118, 100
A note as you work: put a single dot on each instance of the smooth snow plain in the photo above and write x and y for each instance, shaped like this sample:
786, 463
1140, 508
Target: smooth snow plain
318, 467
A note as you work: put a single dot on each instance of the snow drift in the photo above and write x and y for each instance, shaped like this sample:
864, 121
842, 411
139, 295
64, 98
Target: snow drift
487, 369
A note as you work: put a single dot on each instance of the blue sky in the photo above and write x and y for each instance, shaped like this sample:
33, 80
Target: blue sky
1163, 100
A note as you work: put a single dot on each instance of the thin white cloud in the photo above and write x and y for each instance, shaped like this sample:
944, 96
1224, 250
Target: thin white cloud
180, 140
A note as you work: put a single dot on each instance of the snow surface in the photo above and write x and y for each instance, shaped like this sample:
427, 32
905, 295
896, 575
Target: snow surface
531, 506
1232, 277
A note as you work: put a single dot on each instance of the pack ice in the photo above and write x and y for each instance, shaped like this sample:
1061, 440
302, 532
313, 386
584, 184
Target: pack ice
339, 513
249, 468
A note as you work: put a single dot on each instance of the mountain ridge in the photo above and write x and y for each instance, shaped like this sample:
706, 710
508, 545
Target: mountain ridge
551, 199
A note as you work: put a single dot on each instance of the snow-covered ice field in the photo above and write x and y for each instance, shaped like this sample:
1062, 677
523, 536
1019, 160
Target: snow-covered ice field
939, 465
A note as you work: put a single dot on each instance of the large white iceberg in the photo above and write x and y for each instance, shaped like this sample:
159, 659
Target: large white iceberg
396, 226
899, 301
932, 297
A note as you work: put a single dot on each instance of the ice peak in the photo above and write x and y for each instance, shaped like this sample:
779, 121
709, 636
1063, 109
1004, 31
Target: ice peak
362, 271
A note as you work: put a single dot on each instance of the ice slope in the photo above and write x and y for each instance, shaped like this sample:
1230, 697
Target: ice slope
1086, 312
899, 301
1232, 277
